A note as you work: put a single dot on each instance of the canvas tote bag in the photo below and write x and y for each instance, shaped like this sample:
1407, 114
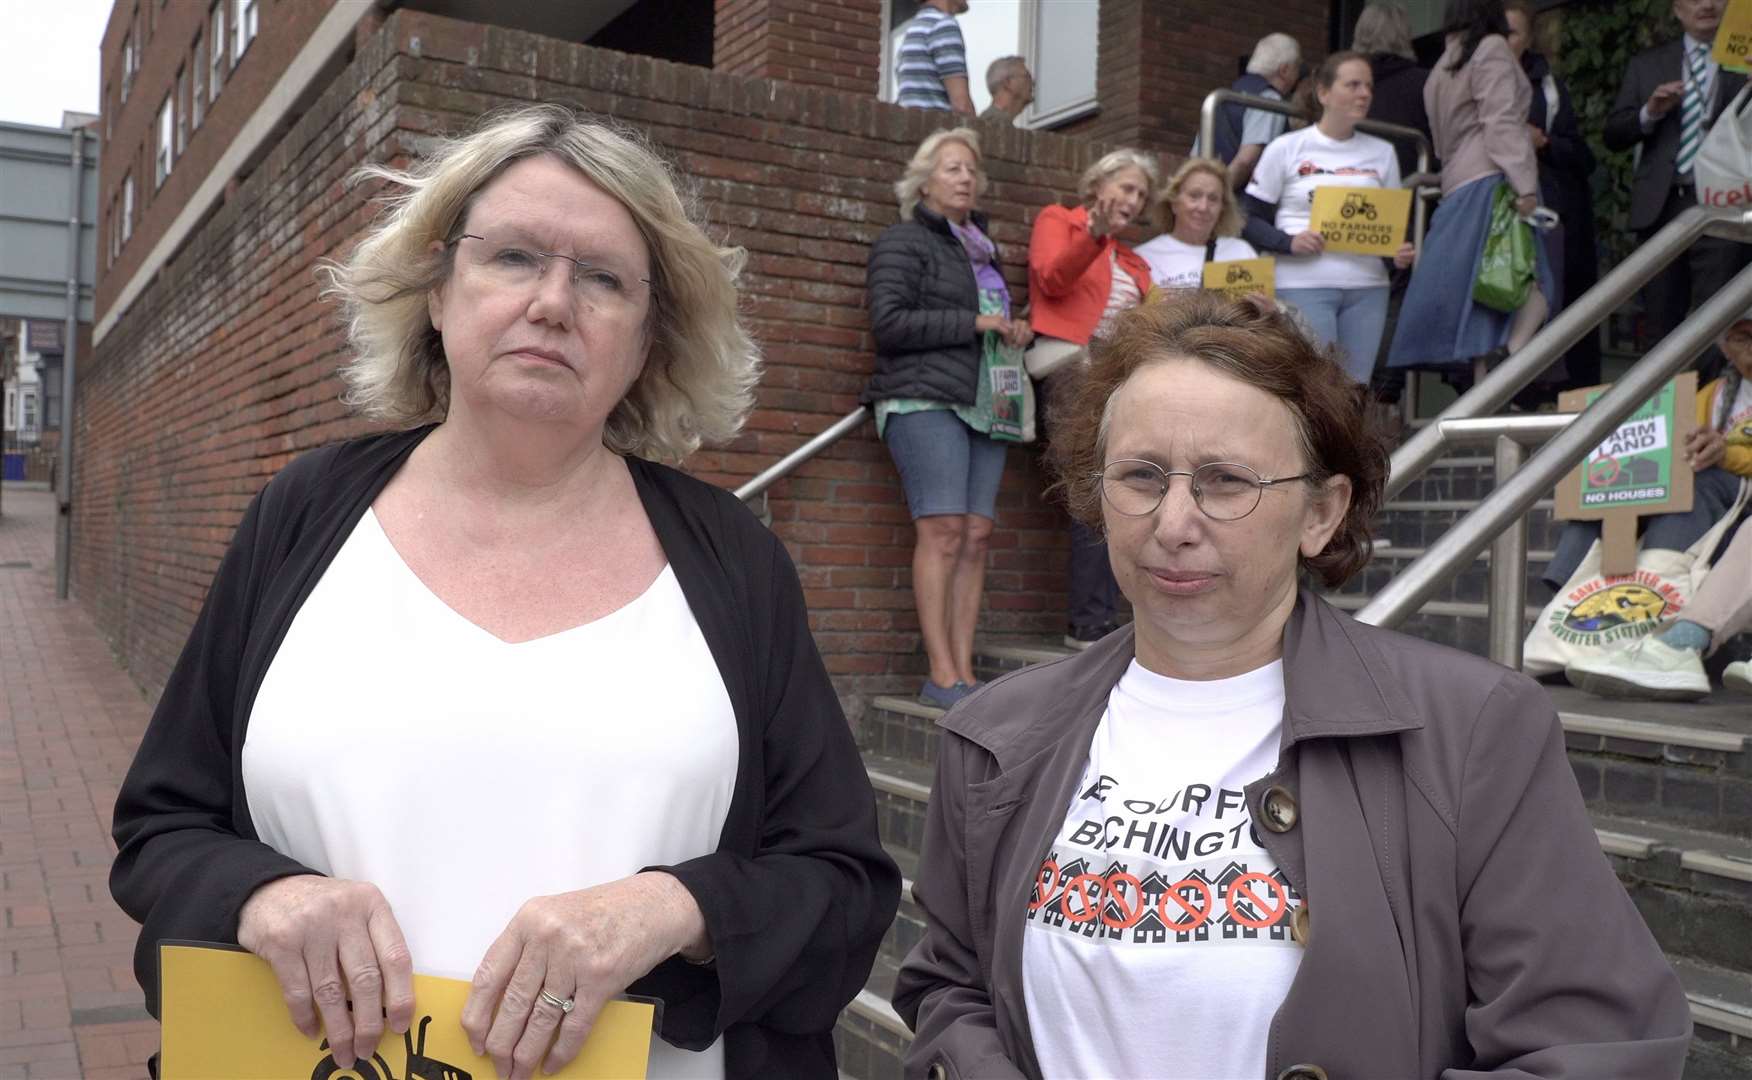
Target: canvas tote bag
1724, 162
1593, 613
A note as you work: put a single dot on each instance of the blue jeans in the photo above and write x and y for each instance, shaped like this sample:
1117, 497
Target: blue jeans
1351, 319
1714, 492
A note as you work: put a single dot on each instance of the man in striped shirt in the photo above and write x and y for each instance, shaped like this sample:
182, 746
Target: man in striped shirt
930, 66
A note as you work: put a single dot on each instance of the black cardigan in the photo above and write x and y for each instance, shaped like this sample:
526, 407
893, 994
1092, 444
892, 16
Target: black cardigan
797, 896
923, 302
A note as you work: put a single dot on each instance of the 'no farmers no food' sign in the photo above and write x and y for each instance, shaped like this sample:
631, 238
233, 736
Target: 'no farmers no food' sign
1638, 469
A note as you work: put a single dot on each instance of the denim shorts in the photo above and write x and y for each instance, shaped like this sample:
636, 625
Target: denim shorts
945, 466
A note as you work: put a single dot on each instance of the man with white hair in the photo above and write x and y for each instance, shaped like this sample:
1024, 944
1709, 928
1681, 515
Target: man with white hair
1012, 89
1273, 71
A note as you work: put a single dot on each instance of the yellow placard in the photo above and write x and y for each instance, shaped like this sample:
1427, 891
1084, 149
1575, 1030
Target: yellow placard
1237, 278
224, 1019
1360, 220
1733, 40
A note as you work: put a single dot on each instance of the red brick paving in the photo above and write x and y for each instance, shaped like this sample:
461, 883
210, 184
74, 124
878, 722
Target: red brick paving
69, 722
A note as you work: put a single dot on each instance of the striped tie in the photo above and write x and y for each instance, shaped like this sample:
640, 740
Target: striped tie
1691, 110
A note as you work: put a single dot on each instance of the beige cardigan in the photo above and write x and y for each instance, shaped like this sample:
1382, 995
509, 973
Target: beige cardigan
1478, 116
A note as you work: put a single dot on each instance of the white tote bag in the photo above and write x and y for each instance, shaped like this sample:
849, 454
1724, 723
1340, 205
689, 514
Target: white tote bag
1724, 162
1049, 354
1593, 614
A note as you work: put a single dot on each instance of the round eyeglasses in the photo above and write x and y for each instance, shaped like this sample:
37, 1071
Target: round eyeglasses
594, 286
1224, 490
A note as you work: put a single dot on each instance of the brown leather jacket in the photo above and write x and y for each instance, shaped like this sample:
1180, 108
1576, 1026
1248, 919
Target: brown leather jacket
1462, 920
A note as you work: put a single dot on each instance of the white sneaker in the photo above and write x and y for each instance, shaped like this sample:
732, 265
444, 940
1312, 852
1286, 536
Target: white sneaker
1738, 676
1648, 670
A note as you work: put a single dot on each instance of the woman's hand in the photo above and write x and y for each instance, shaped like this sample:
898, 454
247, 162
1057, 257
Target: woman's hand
329, 942
1404, 257
1106, 217
983, 323
1537, 134
1020, 335
586, 946
1526, 204
1307, 243
1705, 448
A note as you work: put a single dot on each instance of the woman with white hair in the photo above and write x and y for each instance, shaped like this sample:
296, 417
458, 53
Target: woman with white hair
496, 695
1081, 276
935, 292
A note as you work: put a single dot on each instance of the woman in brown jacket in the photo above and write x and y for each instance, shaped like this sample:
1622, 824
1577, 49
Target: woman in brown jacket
1248, 836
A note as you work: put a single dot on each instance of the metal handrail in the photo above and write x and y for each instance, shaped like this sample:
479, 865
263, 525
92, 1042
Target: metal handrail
1590, 309
1207, 140
1508, 437
788, 464
1512, 499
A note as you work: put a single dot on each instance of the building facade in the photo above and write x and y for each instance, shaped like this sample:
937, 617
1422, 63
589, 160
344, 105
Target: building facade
224, 183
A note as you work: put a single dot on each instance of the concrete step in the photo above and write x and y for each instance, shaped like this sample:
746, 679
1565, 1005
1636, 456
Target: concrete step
1721, 1013
1682, 765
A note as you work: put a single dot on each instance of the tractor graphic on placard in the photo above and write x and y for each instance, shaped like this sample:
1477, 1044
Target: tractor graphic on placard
1238, 274
419, 1066
1358, 203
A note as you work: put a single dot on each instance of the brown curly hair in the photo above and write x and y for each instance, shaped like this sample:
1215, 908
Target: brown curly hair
1256, 346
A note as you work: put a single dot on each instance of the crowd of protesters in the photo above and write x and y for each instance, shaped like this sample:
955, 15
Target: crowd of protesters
1500, 126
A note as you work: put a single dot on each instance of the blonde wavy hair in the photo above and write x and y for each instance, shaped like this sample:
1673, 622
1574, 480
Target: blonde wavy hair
1229, 222
1112, 162
911, 185
697, 385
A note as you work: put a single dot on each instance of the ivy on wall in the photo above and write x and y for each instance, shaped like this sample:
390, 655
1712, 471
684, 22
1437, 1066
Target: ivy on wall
1595, 41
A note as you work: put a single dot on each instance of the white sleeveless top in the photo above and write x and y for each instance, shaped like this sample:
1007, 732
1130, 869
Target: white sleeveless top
395, 742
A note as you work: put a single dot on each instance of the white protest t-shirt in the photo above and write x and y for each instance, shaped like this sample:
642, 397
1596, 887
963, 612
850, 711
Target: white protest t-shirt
1175, 264
1289, 170
1157, 941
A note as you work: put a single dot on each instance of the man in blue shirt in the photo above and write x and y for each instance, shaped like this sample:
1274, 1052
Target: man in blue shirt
930, 65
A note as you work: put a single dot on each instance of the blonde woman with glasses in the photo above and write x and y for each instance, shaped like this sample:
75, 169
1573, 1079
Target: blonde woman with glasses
496, 695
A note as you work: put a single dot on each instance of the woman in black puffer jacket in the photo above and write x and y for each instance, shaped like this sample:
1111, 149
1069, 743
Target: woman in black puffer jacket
935, 289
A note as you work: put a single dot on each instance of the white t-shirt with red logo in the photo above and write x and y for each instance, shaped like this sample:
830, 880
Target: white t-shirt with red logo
1291, 167
1157, 941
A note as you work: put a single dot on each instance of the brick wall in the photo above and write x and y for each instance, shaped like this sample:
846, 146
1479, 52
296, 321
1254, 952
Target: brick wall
169, 32
222, 371
828, 43
1158, 61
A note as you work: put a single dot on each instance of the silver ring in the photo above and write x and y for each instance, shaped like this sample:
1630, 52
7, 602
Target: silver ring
565, 1005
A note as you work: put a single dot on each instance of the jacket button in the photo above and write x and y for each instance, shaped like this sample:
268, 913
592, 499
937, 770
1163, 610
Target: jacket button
1280, 810
1302, 1072
1299, 926
937, 1072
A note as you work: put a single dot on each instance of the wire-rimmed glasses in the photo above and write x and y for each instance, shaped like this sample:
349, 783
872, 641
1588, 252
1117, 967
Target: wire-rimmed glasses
1223, 490
509, 266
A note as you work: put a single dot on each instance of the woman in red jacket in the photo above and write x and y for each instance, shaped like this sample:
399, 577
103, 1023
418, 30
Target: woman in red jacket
1080, 275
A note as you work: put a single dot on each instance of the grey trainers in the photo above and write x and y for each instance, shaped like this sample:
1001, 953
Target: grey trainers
1649, 671
1738, 676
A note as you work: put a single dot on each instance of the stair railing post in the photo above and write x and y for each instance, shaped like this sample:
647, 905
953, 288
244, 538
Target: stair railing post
1508, 569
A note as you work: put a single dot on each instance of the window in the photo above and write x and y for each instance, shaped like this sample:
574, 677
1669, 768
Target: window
166, 156
127, 64
109, 113
127, 207
1057, 38
216, 39
27, 412
243, 20
198, 103
182, 109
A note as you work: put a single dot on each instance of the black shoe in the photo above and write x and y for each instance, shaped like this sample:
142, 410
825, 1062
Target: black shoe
1081, 637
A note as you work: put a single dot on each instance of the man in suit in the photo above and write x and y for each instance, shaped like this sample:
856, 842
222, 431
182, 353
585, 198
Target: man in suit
1670, 96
